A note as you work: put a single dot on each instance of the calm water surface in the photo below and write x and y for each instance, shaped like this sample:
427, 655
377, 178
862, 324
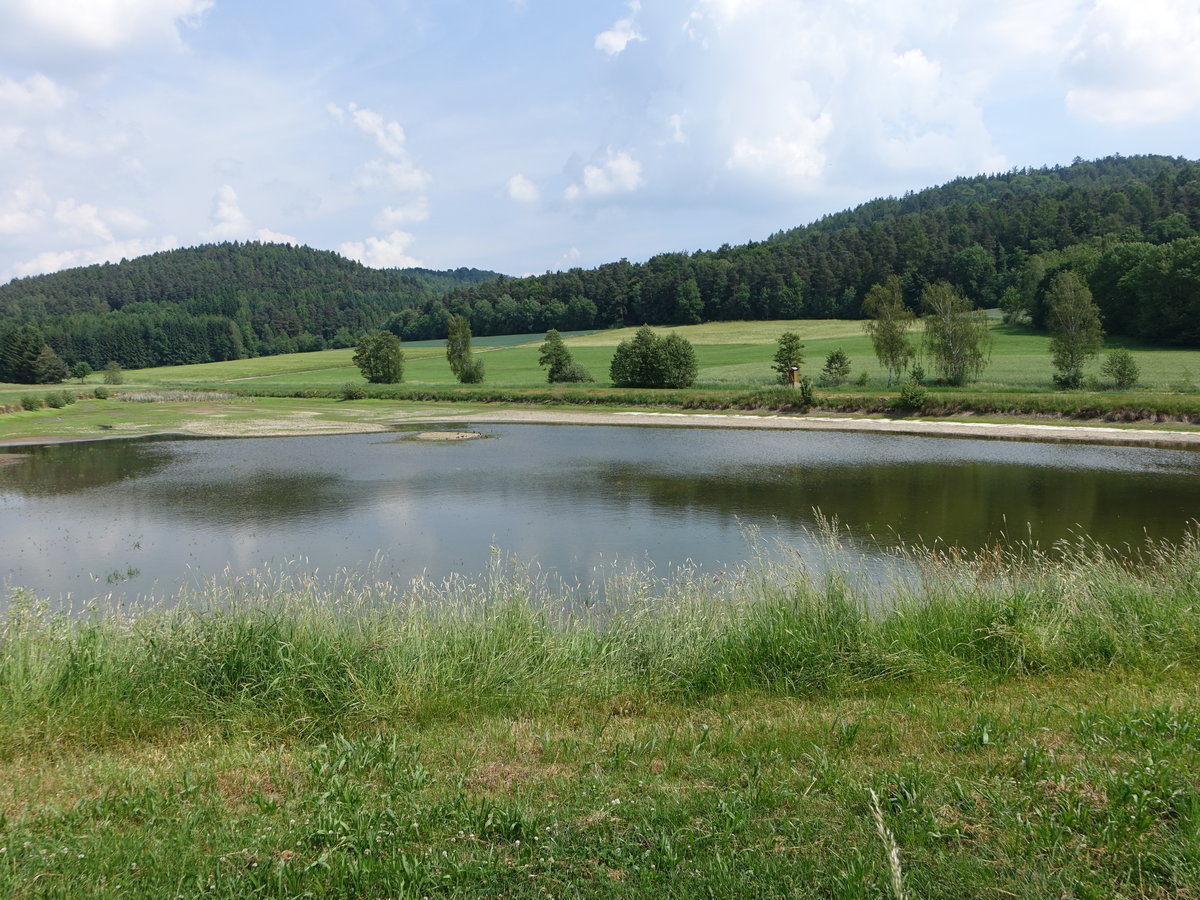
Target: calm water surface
136, 517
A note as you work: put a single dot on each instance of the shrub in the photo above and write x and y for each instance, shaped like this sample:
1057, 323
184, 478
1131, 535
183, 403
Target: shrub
113, 373
573, 373
912, 394
352, 390
805, 386
862, 379
69, 397
55, 400
29, 402
836, 369
647, 360
1120, 366
100, 392
470, 370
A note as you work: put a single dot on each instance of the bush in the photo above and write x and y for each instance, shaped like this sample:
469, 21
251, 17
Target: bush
55, 400
573, 372
1120, 366
113, 373
863, 378
836, 369
912, 395
352, 390
649, 361
29, 402
69, 397
804, 384
470, 370
100, 392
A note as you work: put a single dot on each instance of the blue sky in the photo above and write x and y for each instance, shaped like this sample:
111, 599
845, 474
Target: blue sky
529, 135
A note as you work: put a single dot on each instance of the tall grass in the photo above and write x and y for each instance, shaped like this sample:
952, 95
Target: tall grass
298, 654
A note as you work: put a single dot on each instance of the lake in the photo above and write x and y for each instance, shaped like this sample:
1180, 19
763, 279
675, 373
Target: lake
135, 517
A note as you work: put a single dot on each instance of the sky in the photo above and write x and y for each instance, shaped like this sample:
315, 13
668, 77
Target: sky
526, 136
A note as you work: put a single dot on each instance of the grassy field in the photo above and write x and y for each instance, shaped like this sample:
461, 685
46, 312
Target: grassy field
729, 354
734, 374
1013, 725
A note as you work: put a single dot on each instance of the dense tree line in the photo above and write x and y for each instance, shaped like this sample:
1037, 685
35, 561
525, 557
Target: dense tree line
215, 302
997, 239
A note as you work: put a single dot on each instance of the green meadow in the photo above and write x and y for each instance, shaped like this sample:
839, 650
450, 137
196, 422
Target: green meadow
1012, 724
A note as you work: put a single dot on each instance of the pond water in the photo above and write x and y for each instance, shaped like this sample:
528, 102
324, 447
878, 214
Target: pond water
141, 516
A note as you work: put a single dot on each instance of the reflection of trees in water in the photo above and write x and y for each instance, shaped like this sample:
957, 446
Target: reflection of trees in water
66, 468
969, 505
260, 499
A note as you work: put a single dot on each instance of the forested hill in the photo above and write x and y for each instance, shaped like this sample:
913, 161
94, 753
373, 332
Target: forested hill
1128, 224
214, 302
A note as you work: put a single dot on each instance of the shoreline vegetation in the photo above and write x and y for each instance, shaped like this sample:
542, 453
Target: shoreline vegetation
1017, 722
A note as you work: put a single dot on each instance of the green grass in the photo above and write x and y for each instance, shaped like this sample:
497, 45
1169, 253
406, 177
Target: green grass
1013, 724
729, 354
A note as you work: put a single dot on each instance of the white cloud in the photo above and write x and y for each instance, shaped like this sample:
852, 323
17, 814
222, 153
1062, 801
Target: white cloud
24, 211
400, 175
617, 38
620, 173
396, 171
390, 252
82, 219
36, 29
230, 223
522, 190
675, 124
53, 260
393, 216
35, 94
1136, 65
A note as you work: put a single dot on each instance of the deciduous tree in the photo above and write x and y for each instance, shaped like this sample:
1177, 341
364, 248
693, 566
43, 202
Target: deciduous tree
379, 357
956, 337
789, 354
888, 326
1074, 322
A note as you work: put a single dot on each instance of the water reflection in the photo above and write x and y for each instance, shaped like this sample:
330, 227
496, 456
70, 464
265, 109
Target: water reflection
574, 498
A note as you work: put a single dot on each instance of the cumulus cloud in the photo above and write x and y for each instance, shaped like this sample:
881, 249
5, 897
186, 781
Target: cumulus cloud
617, 38
23, 210
620, 173
390, 252
393, 216
522, 190
35, 94
54, 260
396, 170
1136, 65
53, 30
792, 99
83, 219
230, 223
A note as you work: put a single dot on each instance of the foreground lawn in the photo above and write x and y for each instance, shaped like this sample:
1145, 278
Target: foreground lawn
1014, 724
